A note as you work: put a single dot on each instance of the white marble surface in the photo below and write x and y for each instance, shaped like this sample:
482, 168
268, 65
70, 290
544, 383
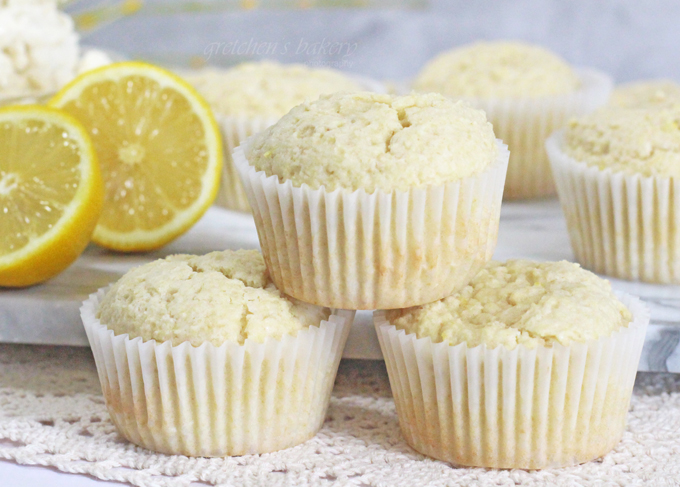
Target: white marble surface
48, 314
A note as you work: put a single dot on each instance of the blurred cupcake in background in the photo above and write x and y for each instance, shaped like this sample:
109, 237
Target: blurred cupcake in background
527, 92
39, 51
252, 96
530, 366
658, 92
618, 178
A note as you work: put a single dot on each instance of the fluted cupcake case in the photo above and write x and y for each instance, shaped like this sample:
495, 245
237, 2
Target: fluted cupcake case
355, 250
625, 226
525, 123
216, 401
234, 130
521, 408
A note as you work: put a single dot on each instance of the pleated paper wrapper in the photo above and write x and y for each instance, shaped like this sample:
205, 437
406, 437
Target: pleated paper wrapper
521, 408
236, 129
354, 250
525, 123
217, 401
625, 226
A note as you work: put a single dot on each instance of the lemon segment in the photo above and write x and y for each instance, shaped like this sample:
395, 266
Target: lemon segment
51, 193
159, 150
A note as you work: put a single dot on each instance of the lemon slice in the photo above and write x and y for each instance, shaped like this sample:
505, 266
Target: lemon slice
51, 193
159, 150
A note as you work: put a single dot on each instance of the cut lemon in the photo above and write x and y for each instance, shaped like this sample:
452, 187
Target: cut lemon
159, 149
51, 193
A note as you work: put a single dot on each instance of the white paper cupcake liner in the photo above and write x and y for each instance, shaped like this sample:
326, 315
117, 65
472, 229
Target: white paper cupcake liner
525, 123
625, 226
522, 408
217, 401
354, 250
235, 130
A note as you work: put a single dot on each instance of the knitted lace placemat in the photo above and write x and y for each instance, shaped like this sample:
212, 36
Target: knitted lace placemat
52, 413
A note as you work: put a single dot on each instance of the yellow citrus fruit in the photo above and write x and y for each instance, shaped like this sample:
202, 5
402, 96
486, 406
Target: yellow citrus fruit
159, 149
51, 193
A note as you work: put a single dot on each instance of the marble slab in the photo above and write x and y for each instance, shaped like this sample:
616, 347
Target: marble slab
48, 313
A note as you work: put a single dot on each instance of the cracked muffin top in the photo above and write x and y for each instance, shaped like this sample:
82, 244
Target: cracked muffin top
376, 141
520, 303
498, 69
217, 297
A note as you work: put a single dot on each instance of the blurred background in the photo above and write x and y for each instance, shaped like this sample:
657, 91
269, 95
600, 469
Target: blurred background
387, 39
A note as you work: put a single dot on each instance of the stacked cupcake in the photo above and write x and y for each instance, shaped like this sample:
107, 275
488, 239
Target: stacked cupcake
372, 201
367, 201
529, 366
203, 356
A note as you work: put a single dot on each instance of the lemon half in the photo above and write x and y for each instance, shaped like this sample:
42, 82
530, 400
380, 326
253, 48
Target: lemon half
159, 150
51, 193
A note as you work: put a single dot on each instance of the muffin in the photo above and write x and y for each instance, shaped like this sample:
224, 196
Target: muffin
39, 52
203, 356
529, 366
646, 93
526, 91
365, 200
252, 96
618, 179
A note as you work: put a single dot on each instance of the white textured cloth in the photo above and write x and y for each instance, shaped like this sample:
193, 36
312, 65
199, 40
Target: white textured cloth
52, 414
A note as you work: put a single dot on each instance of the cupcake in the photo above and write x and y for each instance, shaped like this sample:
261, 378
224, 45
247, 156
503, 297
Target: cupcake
365, 200
250, 97
527, 93
203, 356
529, 366
39, 52
618, 179
646, 93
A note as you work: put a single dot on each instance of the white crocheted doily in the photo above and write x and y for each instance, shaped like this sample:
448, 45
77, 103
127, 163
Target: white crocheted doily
52, 413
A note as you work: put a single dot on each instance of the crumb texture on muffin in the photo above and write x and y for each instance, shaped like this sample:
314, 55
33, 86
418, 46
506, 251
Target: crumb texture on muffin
217, 297
266, 88
643, 140
658, 92
500, 69
376, 141
520, 302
